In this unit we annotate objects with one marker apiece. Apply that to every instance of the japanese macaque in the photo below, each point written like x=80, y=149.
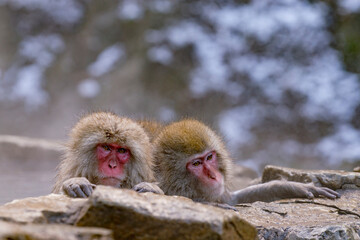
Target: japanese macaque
x=192, y=161
x=152, y=128
x=108, y=150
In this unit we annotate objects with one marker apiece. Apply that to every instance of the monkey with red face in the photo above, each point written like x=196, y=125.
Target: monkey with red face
x=192, y=161
x=108, y=150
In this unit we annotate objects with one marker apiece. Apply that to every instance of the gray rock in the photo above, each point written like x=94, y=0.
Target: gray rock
x=150, y=216
x=27, y=167
x=241, y=177
x=53, y=208
x=51, y=232
x=333, y=179
x=15, y=148
x=306, y=219
x=131, y=215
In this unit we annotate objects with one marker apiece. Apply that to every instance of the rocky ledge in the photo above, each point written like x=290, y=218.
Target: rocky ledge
x=124, y=214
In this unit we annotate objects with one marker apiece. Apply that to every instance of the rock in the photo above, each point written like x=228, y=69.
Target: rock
x=27, y=167
x=306, y=219
x=333, y=179
x=53, y=208
x=51, y=231
x=241, y=177
x=356, y=169
x=150, y=216
x=14, y=148
x=130, y=215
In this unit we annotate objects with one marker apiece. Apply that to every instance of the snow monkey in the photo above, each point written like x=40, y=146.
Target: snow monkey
x=192, y=161
x=106, y=149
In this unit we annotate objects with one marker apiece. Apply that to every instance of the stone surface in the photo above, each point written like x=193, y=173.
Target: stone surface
x=130, y=215
x=25, y=149
x=333, y=179
x=12, y=231
x=27, y=167
x=150, y=216
x=241, y=177
x=306, y=219
x=53, y=208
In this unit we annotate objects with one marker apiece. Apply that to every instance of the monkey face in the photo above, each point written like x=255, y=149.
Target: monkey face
x=204, y=167
x=112, y=159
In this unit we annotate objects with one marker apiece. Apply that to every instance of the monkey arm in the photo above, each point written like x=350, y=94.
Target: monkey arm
x=277, y=189
x=148, y=187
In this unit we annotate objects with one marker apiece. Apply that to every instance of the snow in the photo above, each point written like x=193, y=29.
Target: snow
x=222, y=53
x=350, y=6
x=161, y=6
x=28, y=87
x=27, y=74
x=235, y=124
x=61, y=11
x=166, y=114
x=41, y=49
x=130, y=10
x=89, y=88
x=106, y=60
x=160, y=54
x=331, y=92
x=344, y=144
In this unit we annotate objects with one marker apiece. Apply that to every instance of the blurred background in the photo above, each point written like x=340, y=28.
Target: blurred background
x=279, y=80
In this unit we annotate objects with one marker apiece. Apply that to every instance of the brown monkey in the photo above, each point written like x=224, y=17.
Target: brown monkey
x=192, y=161
x=152, y=128
x=109, y=150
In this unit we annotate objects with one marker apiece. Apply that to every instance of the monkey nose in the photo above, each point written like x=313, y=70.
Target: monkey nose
x=212, y=176
x=112, y=164
x=209, y=172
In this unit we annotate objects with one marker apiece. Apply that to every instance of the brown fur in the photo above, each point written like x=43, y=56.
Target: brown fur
x=173, y=147
x=152, y=128
x=105, y=127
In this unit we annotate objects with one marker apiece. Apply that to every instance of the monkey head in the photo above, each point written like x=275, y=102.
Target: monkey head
x=108, y=150
x=191, y=161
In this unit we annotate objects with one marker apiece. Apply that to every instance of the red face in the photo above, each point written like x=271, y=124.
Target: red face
x=205, y=168
x=111, y=161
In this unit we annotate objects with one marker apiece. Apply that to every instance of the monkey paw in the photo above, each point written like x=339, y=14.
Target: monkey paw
x=78, y=187
x=311, y=191
x=148, y=187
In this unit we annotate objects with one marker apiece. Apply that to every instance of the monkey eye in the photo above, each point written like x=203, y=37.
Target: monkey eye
x=122, y=150
x=196, y=163
x=209, y=157
x=106, y=147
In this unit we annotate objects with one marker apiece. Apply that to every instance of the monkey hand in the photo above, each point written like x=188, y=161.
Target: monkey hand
x=148, y=187
x=78, y=187
x=309, y=190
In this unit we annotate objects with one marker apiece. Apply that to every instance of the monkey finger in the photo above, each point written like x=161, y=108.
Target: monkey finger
x=79, y=192
x=333, y=192
x=86, y=189
x=323, y=192
x=310, y=195
x=142, y=190
x=70, y=192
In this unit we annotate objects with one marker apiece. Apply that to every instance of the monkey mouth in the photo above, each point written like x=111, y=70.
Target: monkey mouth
x=110, y=181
